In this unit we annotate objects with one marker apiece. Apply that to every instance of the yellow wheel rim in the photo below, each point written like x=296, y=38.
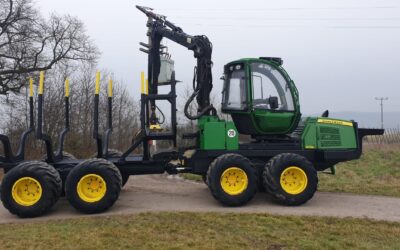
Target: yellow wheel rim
x=293, y=180
x=26, y=191
x=91, y=188
x=234, y=181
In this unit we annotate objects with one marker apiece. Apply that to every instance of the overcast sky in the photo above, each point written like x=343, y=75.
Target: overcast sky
x=341, y=54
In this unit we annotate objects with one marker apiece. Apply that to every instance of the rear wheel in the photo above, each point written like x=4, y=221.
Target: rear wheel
x=30, y=189
x=290, y=178
x=114, y=153
x=93, y=186
x=64, y=171
x=65, y=156
x=204, y=178
x=232, y=180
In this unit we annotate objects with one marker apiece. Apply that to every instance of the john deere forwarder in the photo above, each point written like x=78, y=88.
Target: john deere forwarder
x=282, y=157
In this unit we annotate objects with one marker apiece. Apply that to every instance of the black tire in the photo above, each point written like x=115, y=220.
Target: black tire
x=66, y=156
x=49, y=180
x=272, y=174
x=114, y=153
x=204, y=178
x=64, y=171
x=215, y=172
x=106, y=170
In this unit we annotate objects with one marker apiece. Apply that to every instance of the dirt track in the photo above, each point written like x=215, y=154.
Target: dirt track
x=161, y=193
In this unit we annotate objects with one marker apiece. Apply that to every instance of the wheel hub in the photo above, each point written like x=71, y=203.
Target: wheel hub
x=293, y=180
x=26, y=191
x=91, y=188
x=234, y=181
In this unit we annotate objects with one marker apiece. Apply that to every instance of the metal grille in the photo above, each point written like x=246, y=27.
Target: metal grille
x=329, y=137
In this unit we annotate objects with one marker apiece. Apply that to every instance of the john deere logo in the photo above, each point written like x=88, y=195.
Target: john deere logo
x=231, y=133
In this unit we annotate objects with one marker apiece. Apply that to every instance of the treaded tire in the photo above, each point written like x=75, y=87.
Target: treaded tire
x=45, y=174
x=116, y=153
x=108, y=171
x=272, y=173
x=204, y=178
x=215, y=171
x=66, y=156
x=64, y=171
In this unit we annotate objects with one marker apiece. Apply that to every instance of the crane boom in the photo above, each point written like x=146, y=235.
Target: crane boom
x=201, y=46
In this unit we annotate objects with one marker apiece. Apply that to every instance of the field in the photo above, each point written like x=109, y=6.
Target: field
x=377, y=173
x=202, y=231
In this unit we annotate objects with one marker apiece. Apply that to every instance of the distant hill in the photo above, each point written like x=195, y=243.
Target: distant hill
x=369, y=119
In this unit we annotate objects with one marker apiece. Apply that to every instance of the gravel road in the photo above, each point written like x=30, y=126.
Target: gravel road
x=154, y=193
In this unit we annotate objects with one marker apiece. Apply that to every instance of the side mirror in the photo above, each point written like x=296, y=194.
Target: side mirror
x=273, y=102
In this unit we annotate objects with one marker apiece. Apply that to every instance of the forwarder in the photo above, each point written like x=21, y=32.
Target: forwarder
x=281, y=156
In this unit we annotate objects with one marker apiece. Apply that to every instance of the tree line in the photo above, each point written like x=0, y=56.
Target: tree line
x=59, y=46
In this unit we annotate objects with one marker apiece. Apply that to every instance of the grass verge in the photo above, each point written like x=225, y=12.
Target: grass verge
x=377, y=172
x=202, y=231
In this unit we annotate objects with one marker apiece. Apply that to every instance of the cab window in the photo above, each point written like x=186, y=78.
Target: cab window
x=270, y=90
x=235, y=88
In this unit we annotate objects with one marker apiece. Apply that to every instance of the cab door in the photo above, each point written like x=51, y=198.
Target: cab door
x=273, y=106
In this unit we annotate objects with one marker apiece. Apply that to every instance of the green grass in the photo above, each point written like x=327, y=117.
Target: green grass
x=202, y=231
x=377, y=172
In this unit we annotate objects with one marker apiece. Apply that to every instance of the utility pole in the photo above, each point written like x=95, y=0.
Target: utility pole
x=381, y=99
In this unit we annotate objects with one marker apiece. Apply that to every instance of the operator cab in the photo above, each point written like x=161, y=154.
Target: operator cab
x=260, y=97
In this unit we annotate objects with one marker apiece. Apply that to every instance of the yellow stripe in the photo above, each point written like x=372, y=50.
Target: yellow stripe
x=110, y=88
x=30, y=87
x=335, y=122
x=66, y=87
x=147, y=87
x=97, y=91
x=142, y=82
x=41, y=83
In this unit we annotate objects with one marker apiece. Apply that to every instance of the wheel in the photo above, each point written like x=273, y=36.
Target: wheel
x=30, y=189
x=258, y=165
x=64, y=171
x=93, y=186
x=116, y=153
x=232, y=180
x=290, y=178
x=204, y=178
x=66, y=156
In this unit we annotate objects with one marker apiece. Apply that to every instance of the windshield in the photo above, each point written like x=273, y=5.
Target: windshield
x=270, y=88
x=234, y=94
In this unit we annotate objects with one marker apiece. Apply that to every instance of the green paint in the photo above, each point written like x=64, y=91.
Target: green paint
x=232, y=136
x=318, y=135
x=214, y=134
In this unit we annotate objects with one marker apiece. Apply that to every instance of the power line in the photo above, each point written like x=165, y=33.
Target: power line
x=283, y=8
x=292, y=26
x=381, y=99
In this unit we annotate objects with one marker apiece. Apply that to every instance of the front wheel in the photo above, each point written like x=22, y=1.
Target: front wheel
x=93, y=186
x=232, y=180
x=290, y=178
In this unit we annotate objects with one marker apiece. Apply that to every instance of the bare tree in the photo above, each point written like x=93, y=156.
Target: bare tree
x=79, y=140
x=30, y=43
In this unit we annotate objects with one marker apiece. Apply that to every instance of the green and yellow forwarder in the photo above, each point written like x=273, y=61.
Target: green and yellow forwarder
x=266, y=145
